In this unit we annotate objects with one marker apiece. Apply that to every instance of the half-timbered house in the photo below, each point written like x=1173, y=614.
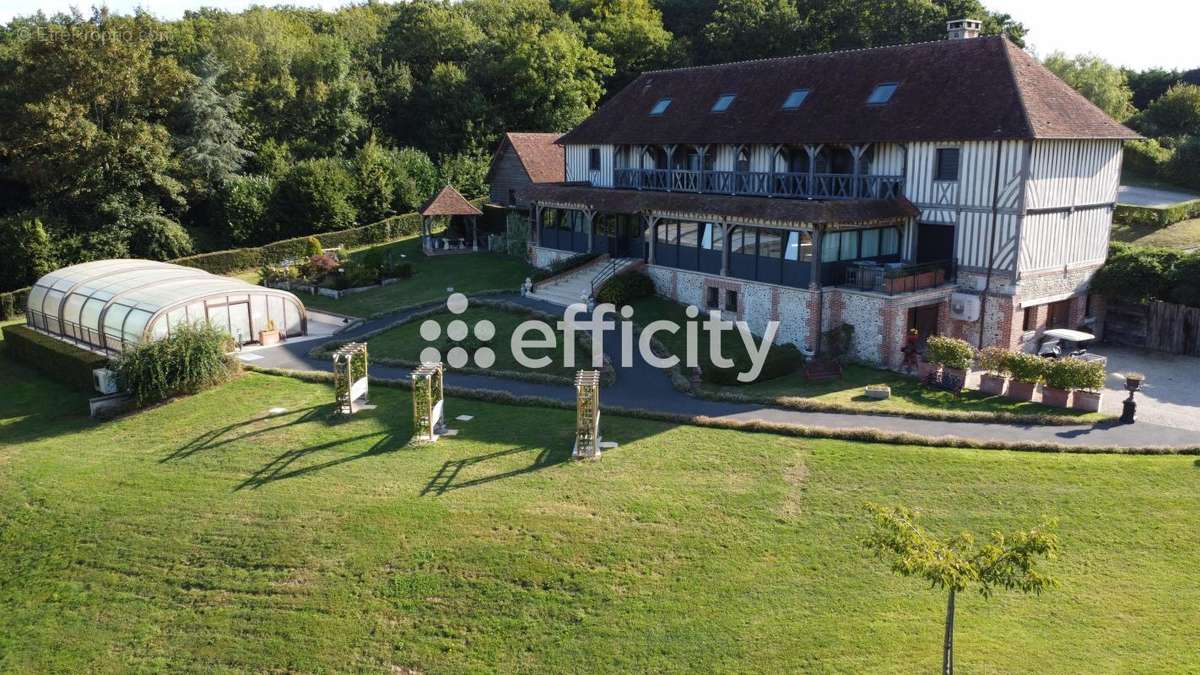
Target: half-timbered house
x=955, y=186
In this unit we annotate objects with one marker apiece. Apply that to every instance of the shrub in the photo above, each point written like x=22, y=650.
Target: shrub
x=782, y=359
x=12, y=303
x=224, y=262
x=314, y=196
x=25, y=251
x=1075, y=374
x=312, y=246
x=949, y=352
x=1184, y=167
x=159, y=238
x=993, y=360
x=1025, y=367
x=836, y=342
x=1135, y=273
x=1146, y=157
x=1184, y=281
x=626, y=287
x=242, y=204
x=191, y=359
x=62, y=361
x=1175, y=113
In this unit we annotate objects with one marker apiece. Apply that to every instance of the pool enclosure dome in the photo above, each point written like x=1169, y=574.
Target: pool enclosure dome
x=111, y=305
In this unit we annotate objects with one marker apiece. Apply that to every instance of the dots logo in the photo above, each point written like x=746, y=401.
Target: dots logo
x=456, y=333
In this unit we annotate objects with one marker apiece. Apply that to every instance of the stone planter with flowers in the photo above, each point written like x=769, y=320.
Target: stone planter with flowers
x=992, y=361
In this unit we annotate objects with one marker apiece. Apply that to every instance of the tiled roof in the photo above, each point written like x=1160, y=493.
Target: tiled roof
x=449, y=202
x=850, y=211
x=952, y=90
x=538, y=153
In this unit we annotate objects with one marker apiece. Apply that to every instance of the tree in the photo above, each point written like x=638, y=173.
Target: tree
x=420, y=179
x=751, y=29
x=315, y=196
x=210, y=139
x=1148, y=85
x=467, y=172
x=378, y=174
x=1005, y=561
x=1184, y=166
x=630, y=32
x=26, y=253
x=1175, y=113
x=159, y=238
x=1098, y=80
x=243, y=203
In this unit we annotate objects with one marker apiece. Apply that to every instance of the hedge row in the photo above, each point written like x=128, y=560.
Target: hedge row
x=234, y=260
x=12, y=303
x=1154, y=216
x=60, y=360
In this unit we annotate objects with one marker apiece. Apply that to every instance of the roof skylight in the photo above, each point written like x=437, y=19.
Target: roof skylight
x=795, y=99
x=723, y=102
x=883, y=93
x=660, y=107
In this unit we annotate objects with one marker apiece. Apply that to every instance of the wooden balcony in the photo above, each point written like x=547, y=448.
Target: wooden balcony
x=895, y=278
x=762, y=184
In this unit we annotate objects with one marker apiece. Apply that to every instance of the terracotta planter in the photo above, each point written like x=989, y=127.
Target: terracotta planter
x=954, y=378
x=1021, y=391
x=267, y=338
x=993, y=385
x=1088, y=401
x=1059, y=398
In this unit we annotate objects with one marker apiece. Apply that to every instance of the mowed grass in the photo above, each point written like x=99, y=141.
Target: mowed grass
x=908, y=395
x=207, y=536
x=1182, y=235
x=432, y=276
x=405, y=342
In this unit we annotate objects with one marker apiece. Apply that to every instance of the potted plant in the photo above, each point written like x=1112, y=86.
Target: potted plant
x=268, y=336
x=1060, y=378
x=992, y=361
x=1089, y=386
x=1027, y=371
x=953, y=355
x=927, y=369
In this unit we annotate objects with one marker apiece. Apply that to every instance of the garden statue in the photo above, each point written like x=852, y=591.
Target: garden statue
x=1133, y=382
x=587, y=415
x=429, y=421
x=350, y=377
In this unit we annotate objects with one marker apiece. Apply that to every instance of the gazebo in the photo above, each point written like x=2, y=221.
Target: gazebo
x=448, y=202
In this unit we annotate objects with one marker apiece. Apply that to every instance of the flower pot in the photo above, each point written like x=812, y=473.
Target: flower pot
x=267, y=338
x=1088, y=401
x=954, y=378
x=925, y=369
x=1059, y=398
x=1021, y=391
x=993, y=385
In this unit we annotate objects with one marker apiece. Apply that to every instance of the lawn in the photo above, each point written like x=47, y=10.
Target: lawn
x=908, y=395
x=466, y=273
x=404, y=342
x=206, y=535
x=1183, y=235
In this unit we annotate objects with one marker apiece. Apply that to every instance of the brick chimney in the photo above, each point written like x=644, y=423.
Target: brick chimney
x=962, y=29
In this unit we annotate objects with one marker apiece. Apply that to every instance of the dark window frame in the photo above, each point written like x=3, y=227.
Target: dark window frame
x=712, y=298
x=594, y=159
x=731, y=300
x=940, y=164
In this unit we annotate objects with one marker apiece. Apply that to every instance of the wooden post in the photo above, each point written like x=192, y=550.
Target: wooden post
x=856, y=151
x=727, y=236
x=652, y=231
x=474, y=233
x=591, y=230
x=587, y=415
x=812, y=151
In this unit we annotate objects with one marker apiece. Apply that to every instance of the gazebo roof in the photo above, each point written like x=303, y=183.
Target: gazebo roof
x=449, y=202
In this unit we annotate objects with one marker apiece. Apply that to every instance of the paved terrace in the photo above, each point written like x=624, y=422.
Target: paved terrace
x=645, y=387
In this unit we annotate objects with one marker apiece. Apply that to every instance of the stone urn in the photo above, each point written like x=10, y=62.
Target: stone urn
x=1021, y=391
x=992, y=385
x=1087, y=401
x=1059, y=398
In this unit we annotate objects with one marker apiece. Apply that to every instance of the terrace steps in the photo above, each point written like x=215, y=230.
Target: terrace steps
x=575, y=286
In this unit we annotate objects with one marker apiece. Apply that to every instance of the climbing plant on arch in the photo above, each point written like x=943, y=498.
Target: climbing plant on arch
x=350, y=381
x=587, y=415
x=428, y=393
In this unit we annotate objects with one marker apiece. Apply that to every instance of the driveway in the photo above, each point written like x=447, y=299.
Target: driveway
x=1171, y=394
x=1141, y=196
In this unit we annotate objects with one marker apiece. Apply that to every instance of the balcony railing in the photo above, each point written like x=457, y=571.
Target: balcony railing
x=762, y=183
x=893, y=278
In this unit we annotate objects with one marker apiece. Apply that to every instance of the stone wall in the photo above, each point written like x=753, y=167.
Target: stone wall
x=542, y=257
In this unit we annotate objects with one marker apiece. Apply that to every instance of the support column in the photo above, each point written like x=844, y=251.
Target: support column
x=652, y=231
x=856, y=151
x=588, y=215
x=670, y=149
x=812, y=151
x=727, y=237
x=814, y=283
x=474, y=233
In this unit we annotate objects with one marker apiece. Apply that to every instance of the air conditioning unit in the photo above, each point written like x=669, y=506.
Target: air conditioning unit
x=964, y=307
x=105, y=381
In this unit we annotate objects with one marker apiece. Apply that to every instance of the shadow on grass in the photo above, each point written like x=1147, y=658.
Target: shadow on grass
x=215, y=438
x=280, y=468
x=444, y=480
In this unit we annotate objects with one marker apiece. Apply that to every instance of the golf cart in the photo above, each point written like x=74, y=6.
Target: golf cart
x=1058, y=343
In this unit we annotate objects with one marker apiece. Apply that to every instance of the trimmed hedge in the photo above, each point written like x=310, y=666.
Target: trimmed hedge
x=235, y=260
x=626, y=287
x=61, y=361
x=1128, y=214
x=782, y=359
x=12, y=303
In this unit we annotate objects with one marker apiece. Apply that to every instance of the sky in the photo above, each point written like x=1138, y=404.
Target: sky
x=1141, y=34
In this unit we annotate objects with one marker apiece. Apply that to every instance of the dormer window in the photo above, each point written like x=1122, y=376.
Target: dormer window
x=660, y=107
x=883, y=93
x=795, y=99
x=723, y=102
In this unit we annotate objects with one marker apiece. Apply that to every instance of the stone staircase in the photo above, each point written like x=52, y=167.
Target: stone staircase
x=574, y=286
